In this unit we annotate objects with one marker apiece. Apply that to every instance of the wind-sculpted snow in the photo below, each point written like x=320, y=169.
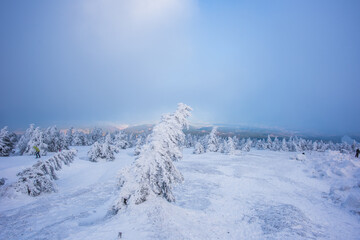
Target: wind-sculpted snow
x=343, y=171
x=287, y=220
x=39, y=178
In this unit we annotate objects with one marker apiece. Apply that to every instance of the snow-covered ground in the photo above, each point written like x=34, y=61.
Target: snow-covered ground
x=254, y=195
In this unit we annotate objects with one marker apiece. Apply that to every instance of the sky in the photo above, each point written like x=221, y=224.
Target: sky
x=287, y=64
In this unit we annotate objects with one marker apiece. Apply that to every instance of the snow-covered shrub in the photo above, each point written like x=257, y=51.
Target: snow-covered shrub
x=153, y=173
x=102, y=150
x=199, y=148
x=6, y=145
x=38, y=178
x=213, y=141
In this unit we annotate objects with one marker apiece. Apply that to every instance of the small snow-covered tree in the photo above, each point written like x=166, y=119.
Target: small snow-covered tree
x=260, y=145
x=79, y=139
x=37, y=139
x=54, y=139
x=24, y=140
x=95, y=135
x=269, y=142
x=120, y=141
x=293, y=145
x=139, y=143
x=102, y=150
x=247, y=146
x=213, y=141
x=154, y=173
x=6, y=145
x=230, y=146
x=95, y=152
x=284, y=146
x=276, y=144
x=69, y=136
x=199, y=148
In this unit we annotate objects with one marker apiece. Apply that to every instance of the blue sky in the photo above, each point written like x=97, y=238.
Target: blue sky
x=290, y=64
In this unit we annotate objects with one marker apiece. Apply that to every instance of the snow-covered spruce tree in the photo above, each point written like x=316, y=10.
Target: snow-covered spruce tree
x=54, y=139
x=102, y=150
x=120, y=141
x=6, y=145
x=260, y=145
x=108, y=149
x=284, y=146
x=153, y=173
x=95, y=152
x=230, y=146
x=37, y=139
x=79, y=139
x=213, y=141
x=69, y=136
x=247, y=146
x=222, y=145
x=276, y=144
x=199, y=148
x=95, y=136
x=21, y=145
x=269, y=143
x=139, y=143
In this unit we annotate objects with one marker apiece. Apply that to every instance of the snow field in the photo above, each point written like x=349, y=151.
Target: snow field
x=256, y=195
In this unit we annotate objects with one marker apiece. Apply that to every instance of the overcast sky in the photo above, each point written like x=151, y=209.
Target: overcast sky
x=289, y=64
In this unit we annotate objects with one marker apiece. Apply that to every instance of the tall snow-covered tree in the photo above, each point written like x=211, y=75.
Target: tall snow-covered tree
x=37, y=139
x=6, y=145
x=213, y=141
x=24, y=140
x=153, y=173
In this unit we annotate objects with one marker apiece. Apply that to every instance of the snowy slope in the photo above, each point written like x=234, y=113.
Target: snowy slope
x=255, y=195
